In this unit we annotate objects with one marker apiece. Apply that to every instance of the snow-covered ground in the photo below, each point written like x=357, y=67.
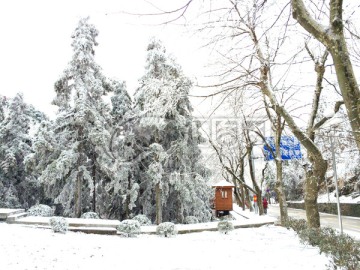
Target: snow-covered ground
x=268, y=247
x=324, y=198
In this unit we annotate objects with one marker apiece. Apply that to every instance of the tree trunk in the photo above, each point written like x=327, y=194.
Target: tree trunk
x=179, y=212
x=94, y=183
x=253, y=179
x=79, y=177
x=280, y=193
x=278, y=127
x=94, y=197
x=314, y=177
x=158, y=201
x=238, y=199
x=242, y=197
x=348, y=86
x=248, y=200
x=311, y=193
x=77, y=194
x=279, y=174
x=127, y=201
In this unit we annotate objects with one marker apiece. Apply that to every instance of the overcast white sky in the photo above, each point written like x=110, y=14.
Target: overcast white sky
x=36, y=43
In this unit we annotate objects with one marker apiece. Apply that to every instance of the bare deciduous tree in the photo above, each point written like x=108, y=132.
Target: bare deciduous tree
x=259, y=74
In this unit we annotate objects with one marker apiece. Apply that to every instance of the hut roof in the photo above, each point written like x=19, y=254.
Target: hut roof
x=223, y=183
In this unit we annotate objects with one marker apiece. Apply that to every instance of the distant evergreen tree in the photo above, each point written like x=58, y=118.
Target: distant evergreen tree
x=46, y=148
x=3, y=104
x=17, y=189
x=164, y=111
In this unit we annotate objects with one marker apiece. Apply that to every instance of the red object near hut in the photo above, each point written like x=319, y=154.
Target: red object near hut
x=223, y=202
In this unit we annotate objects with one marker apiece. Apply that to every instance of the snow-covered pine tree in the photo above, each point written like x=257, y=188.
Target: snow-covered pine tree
x=155, y=173
x=121, y=193
x=164, y=112
x=123, y=190
x=3, y=104
x=45, y=150
x=121, y=101
x=17, y=189
x=188, y=174
x=80, y=161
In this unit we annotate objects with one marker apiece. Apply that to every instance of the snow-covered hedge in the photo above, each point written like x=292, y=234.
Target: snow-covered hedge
x=41, y=210
x=191, y=220
x=90, y=215
x=342, y=249
x=225, y=226
x=166, y=229
x=143, y=220
x=129, y=227
x=59, y=224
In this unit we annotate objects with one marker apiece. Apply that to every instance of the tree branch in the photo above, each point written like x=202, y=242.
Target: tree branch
x=326, y=118
x=180, y=10
x=303, y=17
x=320, y=70
x=336, y=15
x=227, y=168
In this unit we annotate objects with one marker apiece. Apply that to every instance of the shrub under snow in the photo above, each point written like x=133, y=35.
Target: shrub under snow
x=90, y=215
x=166, y=229
x=41, y=210
x=342, y=249
x=129, y=227
x=143, y=220
x=191, y=220
x=225, y=226
x=59, y=224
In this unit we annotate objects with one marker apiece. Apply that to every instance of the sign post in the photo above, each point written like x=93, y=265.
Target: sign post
x=289, y=149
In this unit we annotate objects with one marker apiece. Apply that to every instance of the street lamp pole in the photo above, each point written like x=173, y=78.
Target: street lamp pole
x=336, y=185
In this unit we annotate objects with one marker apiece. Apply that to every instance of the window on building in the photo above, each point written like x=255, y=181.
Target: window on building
x=224, y=194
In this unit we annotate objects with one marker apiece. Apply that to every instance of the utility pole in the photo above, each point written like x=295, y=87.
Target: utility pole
x=336, y=185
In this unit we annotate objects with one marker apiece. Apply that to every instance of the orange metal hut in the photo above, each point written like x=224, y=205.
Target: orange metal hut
x=223, y=202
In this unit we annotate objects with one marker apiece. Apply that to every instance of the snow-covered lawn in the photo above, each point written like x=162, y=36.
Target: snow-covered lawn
x=267, y=247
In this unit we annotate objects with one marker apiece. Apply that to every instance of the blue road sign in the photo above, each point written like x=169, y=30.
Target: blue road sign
x=289, y=148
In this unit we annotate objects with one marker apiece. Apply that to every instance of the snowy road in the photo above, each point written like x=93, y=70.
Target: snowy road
x=351, y=225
